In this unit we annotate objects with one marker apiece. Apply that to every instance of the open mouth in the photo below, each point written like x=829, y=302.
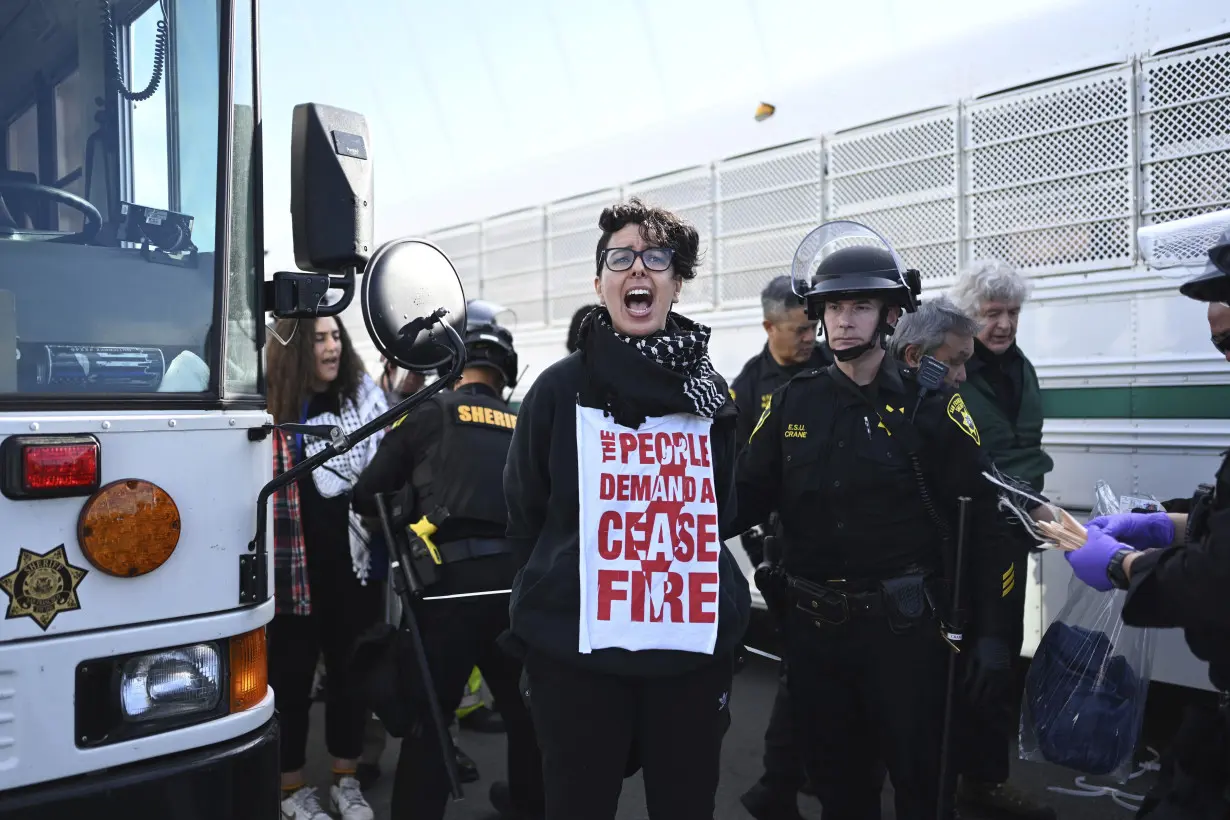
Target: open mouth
x=638, y=302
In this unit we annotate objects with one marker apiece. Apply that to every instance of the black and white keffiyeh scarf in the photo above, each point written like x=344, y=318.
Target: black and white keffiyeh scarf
x=339, y=474
x=681, y=350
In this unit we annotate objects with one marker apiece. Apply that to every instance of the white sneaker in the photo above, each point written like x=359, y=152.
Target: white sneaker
x=348, y=801
x=304, y=805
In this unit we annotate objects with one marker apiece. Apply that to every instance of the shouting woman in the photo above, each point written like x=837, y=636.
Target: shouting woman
x=619, y=485
x=322, y=559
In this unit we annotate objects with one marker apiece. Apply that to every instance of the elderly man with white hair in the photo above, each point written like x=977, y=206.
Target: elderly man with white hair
x=1001, y=389
x=1001, y=392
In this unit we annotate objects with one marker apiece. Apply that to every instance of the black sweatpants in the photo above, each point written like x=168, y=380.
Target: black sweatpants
x=459, y=634
x=588, y=723
x=985, y=737
x=865, y=691
x=342, y=609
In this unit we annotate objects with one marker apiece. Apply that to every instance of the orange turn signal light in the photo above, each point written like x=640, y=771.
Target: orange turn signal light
x=128, y=528
x=249, y=670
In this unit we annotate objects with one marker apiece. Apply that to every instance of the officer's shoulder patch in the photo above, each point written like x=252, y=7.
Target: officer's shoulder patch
x=961, y=416
x=764, y=414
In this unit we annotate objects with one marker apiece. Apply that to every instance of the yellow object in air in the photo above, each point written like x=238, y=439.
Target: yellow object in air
x=764, y=111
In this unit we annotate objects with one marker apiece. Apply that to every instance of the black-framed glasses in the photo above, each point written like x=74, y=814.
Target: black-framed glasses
x=1222, y=342
x=655, y=259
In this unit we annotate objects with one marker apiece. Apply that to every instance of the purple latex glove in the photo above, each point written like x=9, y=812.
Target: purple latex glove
x=1140, y=530
x=1090, y=561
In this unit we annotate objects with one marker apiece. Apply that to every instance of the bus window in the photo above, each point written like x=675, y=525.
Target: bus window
x=22, y=142
x=70, y=132
x=109, y=198
x=242, y=366
x=150, y=185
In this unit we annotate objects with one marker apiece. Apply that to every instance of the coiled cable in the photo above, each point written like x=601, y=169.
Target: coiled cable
x=160, y=53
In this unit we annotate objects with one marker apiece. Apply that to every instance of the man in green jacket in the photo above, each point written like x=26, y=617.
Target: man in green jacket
x=1001, y=392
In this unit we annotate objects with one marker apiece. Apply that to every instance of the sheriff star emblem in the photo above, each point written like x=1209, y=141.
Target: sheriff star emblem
x=42, y=586
x=958, y=413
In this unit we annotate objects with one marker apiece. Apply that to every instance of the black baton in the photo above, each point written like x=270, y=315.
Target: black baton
x=954, y=632
x=407, y=587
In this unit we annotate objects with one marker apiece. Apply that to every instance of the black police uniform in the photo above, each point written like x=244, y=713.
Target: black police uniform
x=865, y=651
x=451, y=451
x=783, y=769
x=1185, y=587
x=760, y=376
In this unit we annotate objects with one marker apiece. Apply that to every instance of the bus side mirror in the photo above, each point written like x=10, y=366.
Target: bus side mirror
x=330, y=189
x=414, y=306
x=331, y=212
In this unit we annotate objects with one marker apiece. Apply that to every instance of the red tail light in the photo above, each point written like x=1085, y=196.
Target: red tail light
x=50, y=466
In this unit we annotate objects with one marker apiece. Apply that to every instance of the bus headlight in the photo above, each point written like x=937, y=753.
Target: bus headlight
x=171, y=683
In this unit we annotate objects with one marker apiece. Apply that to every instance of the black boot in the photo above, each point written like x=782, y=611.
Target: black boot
x=482, y=720
x=467, y=769
x=766, y=804
x=501, y=799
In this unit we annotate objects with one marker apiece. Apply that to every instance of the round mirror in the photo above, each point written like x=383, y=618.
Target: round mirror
x=406, y=281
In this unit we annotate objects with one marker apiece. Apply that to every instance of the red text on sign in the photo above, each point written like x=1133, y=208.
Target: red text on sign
x=618, y=585
x=681, y=536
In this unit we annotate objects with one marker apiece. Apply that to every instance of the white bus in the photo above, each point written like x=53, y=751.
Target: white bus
x=135, y=566
x=1045, y=142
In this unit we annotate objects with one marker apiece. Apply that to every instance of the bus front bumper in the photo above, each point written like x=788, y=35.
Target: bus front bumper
x=234, y=780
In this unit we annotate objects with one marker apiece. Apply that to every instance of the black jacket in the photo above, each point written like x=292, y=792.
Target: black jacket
x=1185, y=587
x=541, y=490
x=442, y=450
x=847, y=497
x=760, y=376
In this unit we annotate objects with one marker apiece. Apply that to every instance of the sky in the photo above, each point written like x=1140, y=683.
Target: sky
x=462, y=95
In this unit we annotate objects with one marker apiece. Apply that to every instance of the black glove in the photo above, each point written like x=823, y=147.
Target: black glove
x=988, y=675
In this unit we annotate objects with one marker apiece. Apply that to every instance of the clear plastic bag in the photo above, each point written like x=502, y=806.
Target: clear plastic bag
x=1085, y=691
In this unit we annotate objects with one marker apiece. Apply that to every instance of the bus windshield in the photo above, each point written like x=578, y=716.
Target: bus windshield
x=110, y=172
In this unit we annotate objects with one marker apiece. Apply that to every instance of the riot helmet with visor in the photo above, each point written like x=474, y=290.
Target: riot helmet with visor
x=844, y=260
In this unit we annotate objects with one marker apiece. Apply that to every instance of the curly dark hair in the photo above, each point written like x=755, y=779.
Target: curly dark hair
x=659, y=228
x=291, y=368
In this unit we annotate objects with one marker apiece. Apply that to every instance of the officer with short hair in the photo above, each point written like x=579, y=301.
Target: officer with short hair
x=447, y=458
x=791, y=345
x=866, y=472
x=790, y=348
x=1176, y=569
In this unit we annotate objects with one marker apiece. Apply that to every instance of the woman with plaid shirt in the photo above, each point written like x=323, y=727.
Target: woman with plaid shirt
x=323, y=596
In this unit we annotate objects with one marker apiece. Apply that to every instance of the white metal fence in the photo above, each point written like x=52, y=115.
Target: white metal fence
x=1054, y=179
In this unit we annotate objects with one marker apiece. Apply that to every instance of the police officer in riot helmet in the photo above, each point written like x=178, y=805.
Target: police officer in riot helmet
x=446, y=457
x=866, y=469
x=1176, y=570
x=792, y=345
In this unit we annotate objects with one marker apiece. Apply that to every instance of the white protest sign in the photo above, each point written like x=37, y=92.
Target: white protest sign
x=649, y=534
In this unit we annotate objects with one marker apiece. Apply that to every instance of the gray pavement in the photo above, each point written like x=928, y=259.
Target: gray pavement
x=1074, y=797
